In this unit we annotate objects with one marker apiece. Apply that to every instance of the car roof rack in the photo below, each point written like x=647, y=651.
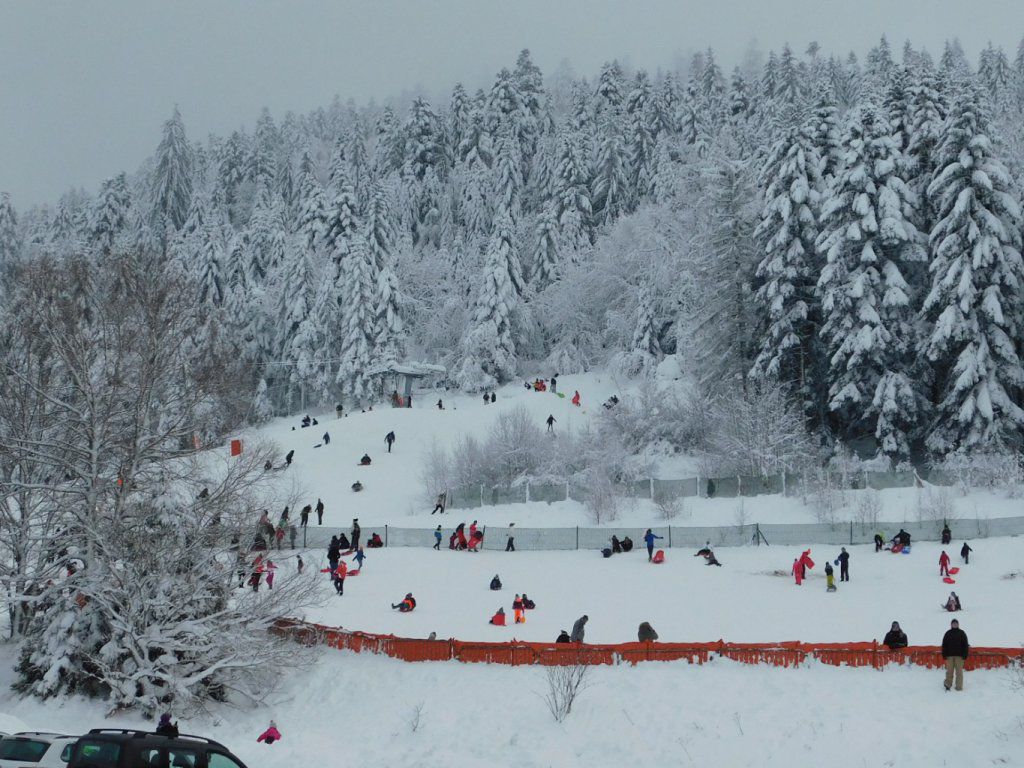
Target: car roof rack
x=42, y=733
x=135, y=732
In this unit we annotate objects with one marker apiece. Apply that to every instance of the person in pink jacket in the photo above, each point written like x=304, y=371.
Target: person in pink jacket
x=798, y=571
x=270, y=735
x=270, y=568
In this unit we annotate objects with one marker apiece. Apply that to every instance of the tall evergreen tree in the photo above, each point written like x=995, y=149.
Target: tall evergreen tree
x=110, y=214
x=868, y=239
x=977, y=289
x=172, y=177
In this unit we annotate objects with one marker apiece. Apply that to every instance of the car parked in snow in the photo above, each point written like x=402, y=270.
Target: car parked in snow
x=35, y=748
x=111, y=748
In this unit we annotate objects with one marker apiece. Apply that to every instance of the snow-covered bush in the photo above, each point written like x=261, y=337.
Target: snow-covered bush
x=868, y=507
x=656, y=415
x=996, y=469
x=935, y=504
x=756, y=432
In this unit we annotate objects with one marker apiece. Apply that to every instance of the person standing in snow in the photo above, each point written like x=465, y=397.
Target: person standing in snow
x=494, y=398
x=487, y=398
x=879, y=542
x=646, y=633
x=437, y=538
x=965, y=553
x=319, y=511
x=895, y=638
x=943, y=564
x=510, y=546
x=554, y=385
x=389, y=438
x=288, y=458
x=304, y=516
x=947, y=535
x=649, y=538
x=166, y=728
x=338, y=577
x=518, y=610
x=356, y=530
x=333, y=552
x=359, y=556
x=844, y=564
x=830, y=579
x=472, y=530
x=579, y=629
x=798, y=571
x=954, y=650
x=551, y=422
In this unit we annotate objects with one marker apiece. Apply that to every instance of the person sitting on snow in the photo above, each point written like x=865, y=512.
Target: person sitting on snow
x=357, y=487
x=895, y=637
x=365, y=461
x=498, y=619
x=306, y=421
x=495, y=583
x=528, y=604
x=375, y=541
x=712, y=560
x=270, y=735
x=646, y=633
x=705, y=550
x=627, y=544
x=952, y=603
x=407, y=604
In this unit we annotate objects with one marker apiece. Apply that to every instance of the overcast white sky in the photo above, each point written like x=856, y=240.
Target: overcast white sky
x=85, y=86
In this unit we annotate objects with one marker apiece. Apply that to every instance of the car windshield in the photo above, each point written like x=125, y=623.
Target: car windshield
x=22, y=750
x=98, y=754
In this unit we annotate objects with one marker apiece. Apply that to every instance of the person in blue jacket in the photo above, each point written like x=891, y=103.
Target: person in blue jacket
x=649, y=538
x=437, y=538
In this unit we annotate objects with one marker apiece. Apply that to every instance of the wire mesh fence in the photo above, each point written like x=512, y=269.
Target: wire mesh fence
x=674, y=536
x=790, y=484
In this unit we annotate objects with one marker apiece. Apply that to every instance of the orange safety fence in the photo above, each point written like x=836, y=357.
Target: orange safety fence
x=519, y=653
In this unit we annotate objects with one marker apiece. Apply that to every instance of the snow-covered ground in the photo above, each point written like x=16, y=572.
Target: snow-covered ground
x=394, y=493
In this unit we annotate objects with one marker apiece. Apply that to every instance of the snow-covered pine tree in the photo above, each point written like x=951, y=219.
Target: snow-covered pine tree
x=261, y=163
x=359, y=303
x=790, y=351
x=641, y=132
x=389, y=336
x=312, y=207
x=546, y=266
x=611, y=183
x=977, y=290
x=110, y=214
x=507, y=196
x=10, y=240
x=489, y=348
x=926, y=124
x=868, y=239
x=644, y=349
x=172, y=176
x=572, y=184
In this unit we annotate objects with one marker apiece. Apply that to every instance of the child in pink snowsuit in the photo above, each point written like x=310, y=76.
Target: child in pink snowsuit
x=270, y=568
x=271, y=734
x=798, y=571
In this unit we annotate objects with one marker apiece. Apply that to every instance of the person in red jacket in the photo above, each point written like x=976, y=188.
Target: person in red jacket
x=798, y=571
x=498, y=619
x=943, y=564
x=576, y=398
x=338, y=577
x=270, y=735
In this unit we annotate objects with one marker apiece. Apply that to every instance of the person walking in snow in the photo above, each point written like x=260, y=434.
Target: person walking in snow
x=356, y=530
x=440, y=405
x=359, y=556
x=576, y=399
x=494, y=398
x=554, y=385
x=270, y=735
x=389, y=438
x=943, y=564
x=844, y=564
x=327, y=438
x=551, y=423
x=319, y=511
x=487, y=398
x=288, y=458
x=510, y=545
x=338, y=577
x=441, y=498
x=579, y=629
x=299, y=565
x=965, y=553
x=954, y=650
x=270, y=568
x=649, y=538
x=304, y=515
x=437, y=538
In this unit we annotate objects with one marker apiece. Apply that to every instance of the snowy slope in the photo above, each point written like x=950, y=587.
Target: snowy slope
x=394, y=491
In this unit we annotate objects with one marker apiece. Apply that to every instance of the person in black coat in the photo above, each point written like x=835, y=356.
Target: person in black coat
x=288, y=458
x=563, y=637
x=879, y=542
x=844, y=565
x=947, y=535
x=895, y=637
x=495, y=583
x=965, y=553
x=389, y=438
x=954, y=650
x=616, y=545
x=646, y=633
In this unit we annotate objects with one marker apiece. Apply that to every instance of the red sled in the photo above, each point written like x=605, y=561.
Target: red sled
x=659, y=557
x=354, y=572
x=948, y=580
x=954, y=571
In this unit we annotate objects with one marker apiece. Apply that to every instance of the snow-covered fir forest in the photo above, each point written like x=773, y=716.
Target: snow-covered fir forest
x=846, y=227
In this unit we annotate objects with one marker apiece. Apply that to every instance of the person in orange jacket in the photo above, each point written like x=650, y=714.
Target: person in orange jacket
x=498, y=619
x=943, y=564
x=338, y=577
x=518, y=610
x=407, y=604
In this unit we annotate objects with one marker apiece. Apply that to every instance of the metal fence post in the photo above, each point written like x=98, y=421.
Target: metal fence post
x=577, y=537
x=783, y=483
x=670, y=537
x=851, y=533
x=385, y=534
